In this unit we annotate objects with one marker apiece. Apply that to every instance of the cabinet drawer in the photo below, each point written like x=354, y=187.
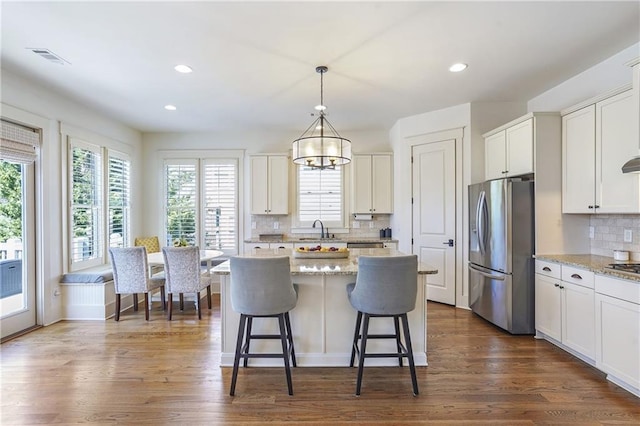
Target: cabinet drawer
x=577, y=276
x=549, y=269
x=620, y=289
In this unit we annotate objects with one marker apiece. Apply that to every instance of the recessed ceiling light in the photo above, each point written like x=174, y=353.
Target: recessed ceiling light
x=170, y=107
x=458, y=67
x=185, y=69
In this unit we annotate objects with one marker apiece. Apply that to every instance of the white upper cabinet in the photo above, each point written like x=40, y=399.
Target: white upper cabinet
x=509, y=151
x=372, y=183
x=596, y=141
x=270, y=184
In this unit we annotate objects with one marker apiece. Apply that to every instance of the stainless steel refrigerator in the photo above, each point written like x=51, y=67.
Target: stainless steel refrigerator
x=501, y=247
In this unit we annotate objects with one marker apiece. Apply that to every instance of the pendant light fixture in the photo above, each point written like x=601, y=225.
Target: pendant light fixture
x=320, y=146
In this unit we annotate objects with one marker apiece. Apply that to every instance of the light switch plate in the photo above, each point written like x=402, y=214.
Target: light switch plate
x=628, y=236
x=276, y=225
x=592, y=232
x=253, y=225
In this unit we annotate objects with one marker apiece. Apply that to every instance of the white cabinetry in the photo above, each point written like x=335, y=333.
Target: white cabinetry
x=325, y=243
x=565, y=306
x=248, y=247
x=597, y=140
x=509, y=151
x=617, y=309
x=269, y=184
x=372, y=183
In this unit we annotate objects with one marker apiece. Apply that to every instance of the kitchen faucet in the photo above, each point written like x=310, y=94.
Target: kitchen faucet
x=322, y=234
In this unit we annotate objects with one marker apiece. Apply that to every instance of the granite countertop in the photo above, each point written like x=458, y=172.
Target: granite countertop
x=346, y=266
x=321, y=240
x=591, y=262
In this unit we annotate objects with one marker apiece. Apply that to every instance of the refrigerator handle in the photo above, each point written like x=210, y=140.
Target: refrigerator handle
x=480, y=221
x=485, y=274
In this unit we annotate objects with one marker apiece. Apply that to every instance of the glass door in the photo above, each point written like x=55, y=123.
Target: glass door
x=17, y=243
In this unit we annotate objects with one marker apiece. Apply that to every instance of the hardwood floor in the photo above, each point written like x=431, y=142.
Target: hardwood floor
x=159, y=372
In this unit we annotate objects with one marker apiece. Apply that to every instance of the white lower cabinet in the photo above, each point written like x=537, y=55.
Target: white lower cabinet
x=617, y=306
x=248, y=247
x=565, y=307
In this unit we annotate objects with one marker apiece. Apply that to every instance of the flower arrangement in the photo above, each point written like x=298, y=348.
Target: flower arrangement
x=180, y=242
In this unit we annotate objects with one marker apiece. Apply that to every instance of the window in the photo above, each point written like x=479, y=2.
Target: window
x=118, y=208
x=86, y=204
x=202, y=203
x=320, y=196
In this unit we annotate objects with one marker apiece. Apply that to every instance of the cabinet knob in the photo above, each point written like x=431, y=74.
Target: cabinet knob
x=590, y=207
x=576, y=276
x=556, y=285
x=596, y=206
x=561, y=287
x=547, y=269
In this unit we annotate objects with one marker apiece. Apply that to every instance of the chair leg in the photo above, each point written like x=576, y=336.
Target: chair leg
x=118, y=307
x=412, y=366
x=170, y=301
x=236, y=359
x=198, y=305
x=247, y=341
x=135, y=302
x=396, y=324
x=285, y=355
x=356, y=335
x=287, y=321
x=164, y=302
x=363, y=349
x=181, y=302
x=209, y=296
x=147, y=301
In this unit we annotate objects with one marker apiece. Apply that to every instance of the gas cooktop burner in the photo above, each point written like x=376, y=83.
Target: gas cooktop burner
x=626, y=267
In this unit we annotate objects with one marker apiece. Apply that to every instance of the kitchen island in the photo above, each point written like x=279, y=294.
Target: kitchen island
x=323, y=320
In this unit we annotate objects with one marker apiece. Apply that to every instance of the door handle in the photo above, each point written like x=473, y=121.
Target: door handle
x=449, y=243
x=488, y=275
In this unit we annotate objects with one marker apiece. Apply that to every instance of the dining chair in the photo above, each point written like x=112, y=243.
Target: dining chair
x=262, y=288
x=131, y=276
x=385, y=287
x=183, y=275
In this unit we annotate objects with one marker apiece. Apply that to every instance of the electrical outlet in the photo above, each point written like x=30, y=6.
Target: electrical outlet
x=355, y=224
x=592, y=232
x=253, y=225
x=276, y=225
x=371, y=225
x=628, y=236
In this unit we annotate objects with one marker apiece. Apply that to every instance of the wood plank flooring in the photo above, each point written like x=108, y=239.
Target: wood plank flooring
x=159, y=372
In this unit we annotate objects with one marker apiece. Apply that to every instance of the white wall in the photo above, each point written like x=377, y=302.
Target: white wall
x=36, y=99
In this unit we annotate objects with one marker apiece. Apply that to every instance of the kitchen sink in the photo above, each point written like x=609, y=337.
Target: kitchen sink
x=316, y=239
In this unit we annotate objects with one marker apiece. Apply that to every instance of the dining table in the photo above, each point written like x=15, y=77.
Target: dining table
x=157, y=259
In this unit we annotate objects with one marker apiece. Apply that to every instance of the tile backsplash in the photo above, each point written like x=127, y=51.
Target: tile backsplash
x=265, y=225
x=609, y=234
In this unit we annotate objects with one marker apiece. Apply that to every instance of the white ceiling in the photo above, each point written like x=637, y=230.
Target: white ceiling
x=254, y=63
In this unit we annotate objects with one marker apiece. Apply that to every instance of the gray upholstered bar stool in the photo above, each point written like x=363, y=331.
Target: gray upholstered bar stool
x=262, y=288
x=385, y=287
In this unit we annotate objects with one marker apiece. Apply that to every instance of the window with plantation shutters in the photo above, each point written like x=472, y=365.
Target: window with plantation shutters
x=181, y=201
x=320, y=196
x=118, y=201
x=220, y=214
x=86, y=204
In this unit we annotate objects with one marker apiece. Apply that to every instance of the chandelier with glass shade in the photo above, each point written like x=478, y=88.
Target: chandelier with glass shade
x=321, y=146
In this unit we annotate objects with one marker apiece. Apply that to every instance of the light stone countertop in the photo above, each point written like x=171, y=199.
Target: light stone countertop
x=313, y=240
x=346, y=266
x=591, y=262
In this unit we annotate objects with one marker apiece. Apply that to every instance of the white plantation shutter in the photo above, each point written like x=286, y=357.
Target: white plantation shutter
x=181, y=199
x=320, y=196
x=86, y=204
x=119, y=200
x=220, y=205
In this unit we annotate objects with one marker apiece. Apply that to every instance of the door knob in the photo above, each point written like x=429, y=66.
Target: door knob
x=449, y=243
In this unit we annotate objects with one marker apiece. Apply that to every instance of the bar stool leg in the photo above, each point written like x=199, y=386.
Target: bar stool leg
x=363, y=349
x=396, y=324
x=285, y=356
x=236, y=359
x=290, y=339
x=356, y=336
x=247, y=340
x=412, y=366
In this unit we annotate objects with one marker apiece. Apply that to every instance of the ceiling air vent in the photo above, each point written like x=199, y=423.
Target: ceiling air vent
x=49, y=55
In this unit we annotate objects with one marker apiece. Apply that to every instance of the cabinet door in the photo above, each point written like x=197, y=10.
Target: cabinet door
x=618, y=338
x=519, y=145
x=548, y=307
x=278, y=182
x=362, y=184
x=259, y=185
x=382, y=178
x=578, y=319
x=578, y=161
x=495, y=156
x=616, y=192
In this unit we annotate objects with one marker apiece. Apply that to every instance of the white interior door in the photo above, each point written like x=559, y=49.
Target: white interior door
x=17, y=260
x=434, y=215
